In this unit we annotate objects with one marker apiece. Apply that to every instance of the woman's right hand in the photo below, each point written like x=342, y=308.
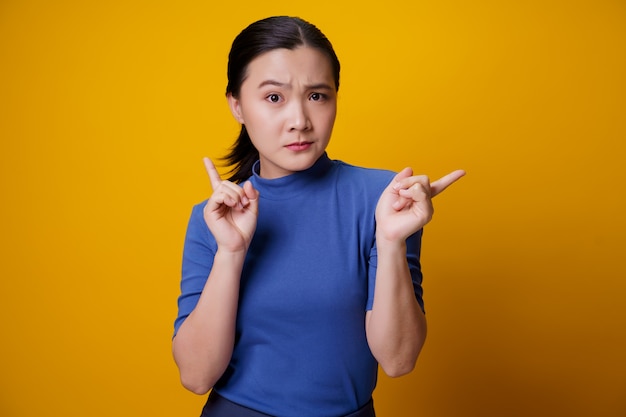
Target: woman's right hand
x=231, y=212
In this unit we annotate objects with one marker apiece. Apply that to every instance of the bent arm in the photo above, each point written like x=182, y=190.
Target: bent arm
x=396, y=325
x=204, y=343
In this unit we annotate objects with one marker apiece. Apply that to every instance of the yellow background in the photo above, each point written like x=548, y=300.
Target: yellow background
x=106, y=109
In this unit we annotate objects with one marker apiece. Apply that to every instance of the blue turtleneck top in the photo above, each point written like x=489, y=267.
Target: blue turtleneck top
x=307, y=282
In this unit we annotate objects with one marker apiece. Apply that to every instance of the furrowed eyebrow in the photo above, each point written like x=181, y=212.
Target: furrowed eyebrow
x=274, y=83
x=319, y=86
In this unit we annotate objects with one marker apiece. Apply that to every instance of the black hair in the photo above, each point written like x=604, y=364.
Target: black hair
x=263, y=36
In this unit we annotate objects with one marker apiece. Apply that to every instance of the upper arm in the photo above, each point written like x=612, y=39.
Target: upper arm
x=198, y=253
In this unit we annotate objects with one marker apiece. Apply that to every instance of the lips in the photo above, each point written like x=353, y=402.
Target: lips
x=299, y=146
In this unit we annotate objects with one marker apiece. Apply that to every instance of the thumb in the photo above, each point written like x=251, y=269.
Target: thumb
x=252, y=195
x=405, y=173
x=397, y=201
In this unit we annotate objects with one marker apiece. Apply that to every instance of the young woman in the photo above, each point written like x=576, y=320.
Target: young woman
x=301, y=273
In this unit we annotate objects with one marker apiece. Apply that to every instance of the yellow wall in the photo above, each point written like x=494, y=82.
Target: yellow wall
x=106, y=109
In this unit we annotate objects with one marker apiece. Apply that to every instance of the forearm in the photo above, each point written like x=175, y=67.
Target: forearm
x=203, y=345
x=396, y=326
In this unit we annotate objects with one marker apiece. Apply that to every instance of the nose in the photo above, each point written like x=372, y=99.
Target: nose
x=298, y=116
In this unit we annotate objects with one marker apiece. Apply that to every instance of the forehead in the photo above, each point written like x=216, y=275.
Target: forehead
x=303, y=64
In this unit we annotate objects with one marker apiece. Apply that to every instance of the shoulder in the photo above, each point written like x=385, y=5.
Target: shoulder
x=197, y=229
x=363, y=178
x=197, y=211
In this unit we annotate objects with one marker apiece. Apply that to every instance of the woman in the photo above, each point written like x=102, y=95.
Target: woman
x=300, y=273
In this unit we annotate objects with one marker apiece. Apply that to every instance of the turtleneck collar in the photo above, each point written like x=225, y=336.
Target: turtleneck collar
x=287, y=186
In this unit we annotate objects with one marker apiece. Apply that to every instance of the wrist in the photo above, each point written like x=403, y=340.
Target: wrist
x=231, y=255
x=384, y=244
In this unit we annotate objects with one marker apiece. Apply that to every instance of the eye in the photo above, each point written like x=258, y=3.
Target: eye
x=317, y=96
x=273, y=98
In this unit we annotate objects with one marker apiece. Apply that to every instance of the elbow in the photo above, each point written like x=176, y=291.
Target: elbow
x=400, y=363
x=196, y=386
x=197, y=382
x=198, y=389
x=197, y=376
x=396, y=369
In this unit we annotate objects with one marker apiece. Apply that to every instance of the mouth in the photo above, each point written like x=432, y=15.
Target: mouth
x=299, y=146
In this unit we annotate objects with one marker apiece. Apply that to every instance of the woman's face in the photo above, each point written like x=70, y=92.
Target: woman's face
x=288, y=104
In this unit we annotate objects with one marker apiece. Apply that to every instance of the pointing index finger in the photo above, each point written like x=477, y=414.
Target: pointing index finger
x=214, y=176
x=444, y=182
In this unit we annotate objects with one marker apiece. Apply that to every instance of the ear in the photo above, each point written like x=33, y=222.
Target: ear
x=235, y=107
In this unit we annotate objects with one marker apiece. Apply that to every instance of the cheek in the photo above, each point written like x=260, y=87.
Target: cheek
x=262, y=117
x=251, y=109
x=262, y=128
x=328, y=119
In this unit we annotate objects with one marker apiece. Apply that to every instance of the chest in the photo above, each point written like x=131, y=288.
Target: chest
x=308, y=255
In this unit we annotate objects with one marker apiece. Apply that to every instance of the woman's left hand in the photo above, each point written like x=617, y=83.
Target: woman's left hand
x=405, y=206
